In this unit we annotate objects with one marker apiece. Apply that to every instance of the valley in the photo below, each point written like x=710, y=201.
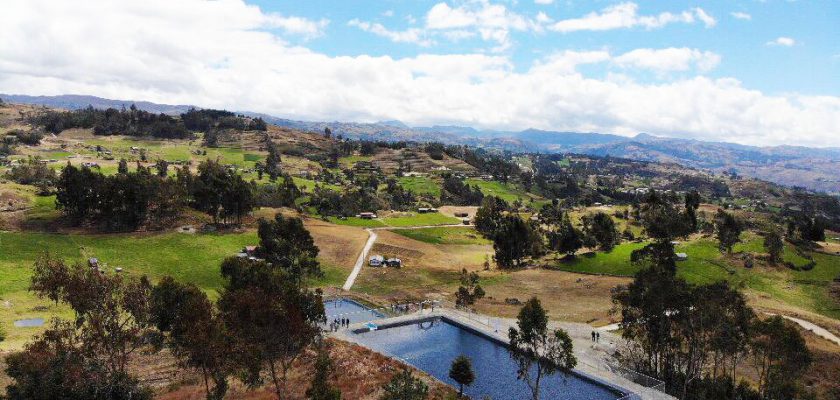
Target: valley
x=426, y=199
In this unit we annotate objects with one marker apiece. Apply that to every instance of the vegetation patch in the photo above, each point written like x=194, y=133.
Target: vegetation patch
x=417, y=219
x=444, y=235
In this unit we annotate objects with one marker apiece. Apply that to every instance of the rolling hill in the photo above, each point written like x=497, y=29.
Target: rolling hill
x=812, y=168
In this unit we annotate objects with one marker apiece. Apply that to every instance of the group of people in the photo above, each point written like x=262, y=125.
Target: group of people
x=339, y=323
x=401, y=308
x=596, y=337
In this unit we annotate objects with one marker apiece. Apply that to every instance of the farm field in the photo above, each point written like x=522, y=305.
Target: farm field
x=397, y=219
x=444, y=235
x=421, y=185
x=507, y=191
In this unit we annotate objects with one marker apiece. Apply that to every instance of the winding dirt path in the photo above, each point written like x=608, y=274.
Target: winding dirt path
x=818, y=330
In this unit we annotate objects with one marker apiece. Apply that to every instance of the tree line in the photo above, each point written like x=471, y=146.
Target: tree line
x=697, y=338
x=136, y=122
x=129, y=200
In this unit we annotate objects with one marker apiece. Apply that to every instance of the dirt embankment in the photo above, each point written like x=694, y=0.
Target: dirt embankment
x=359, y=374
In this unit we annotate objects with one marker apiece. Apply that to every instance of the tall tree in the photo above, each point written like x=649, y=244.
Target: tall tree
x=271, y=317
x=461, y=371
x=321, y=388
x=87, y=358
x=58, y=365
x=470, y=290
x=601, y=228
x=662, y=220
x=566, y=238
x=221, y=193
x=197, y=335
x=489, y=215
x=780, y=358
x=162, y=168
x=692, y=203
x=404, y=386
x=272, y=161
x=513, y=241
x=538, y=351
x=287, y=245
x=774, y=245
x=728, y=230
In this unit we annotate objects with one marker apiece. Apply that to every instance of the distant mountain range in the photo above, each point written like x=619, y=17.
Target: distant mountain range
x=813, y=168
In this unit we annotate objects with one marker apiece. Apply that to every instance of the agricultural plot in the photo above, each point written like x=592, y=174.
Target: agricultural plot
x=418, y=219
x=420, y=185
x=445, y=235
x=507, y=192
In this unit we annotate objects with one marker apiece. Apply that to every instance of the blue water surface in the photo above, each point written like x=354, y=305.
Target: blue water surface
x=346, y=308
x=431, y=346
x=29, y=323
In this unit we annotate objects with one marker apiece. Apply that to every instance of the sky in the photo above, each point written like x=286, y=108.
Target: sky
x=749, y=71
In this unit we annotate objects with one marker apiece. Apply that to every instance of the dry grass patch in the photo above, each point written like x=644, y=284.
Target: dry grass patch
x=358, y=372
x=339, y=244
x=567, y=296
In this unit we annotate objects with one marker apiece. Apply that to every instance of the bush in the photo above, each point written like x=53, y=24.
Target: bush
x=31, y=138
x=33, y=172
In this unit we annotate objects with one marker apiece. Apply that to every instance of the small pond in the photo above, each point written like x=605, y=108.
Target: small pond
x=346, y=308
x=432, y=345
x=29, y=323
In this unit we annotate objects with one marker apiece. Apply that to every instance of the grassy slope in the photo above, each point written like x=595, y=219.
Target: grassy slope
x=189, y=258
x=507, y=192
x=444, y=235
x=705, y=264
x=420, y=185
x=415, y=219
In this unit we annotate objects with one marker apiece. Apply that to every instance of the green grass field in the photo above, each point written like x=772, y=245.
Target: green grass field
x=308, y=185
x=356, y=221
x=705, y=264
x=444, y=235
x=507, y=192
x=191, y=258
x=398, y=220
x=349, y=161
x=421, y=185
x=417, y=219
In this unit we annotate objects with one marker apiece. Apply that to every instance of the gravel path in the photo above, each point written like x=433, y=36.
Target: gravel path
x=361, y=260
x=818, y=330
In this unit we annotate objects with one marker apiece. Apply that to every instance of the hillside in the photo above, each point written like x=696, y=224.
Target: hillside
x=811, y=168
x=425, y=200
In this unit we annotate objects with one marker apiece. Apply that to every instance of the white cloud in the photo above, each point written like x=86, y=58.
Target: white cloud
x=625, y=15
x=707, y=19
x=491, y=22
x=225, y=54
x=782, y=41
x=741, y=15
x=412, y=35
x=544, y=2
x=670, y=59
x=388, y=13
x=297, y=25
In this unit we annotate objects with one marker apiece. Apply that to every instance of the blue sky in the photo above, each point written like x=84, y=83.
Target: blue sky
x=810, y=66
x=750, y=72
